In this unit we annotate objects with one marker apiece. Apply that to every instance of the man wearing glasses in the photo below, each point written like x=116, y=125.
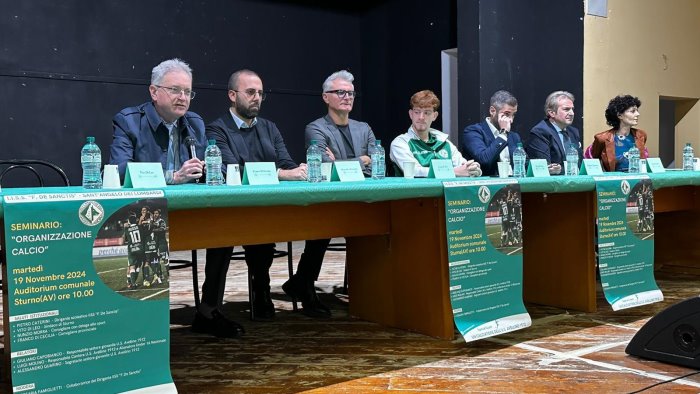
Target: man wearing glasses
x=340, y=138
x=243, y=137
x=157, y=131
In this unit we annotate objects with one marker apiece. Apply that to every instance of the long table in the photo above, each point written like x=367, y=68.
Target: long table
x=396, y=242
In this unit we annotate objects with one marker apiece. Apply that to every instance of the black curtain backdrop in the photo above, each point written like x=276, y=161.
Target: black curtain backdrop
x=67, y=67
x=530, y=48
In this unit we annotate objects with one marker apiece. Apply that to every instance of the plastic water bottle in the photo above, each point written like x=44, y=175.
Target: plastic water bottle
x=378, y=164
x=212, y=159
x=688, y=157
x=571, y=160
x=633, y=158
x=519, y=158
x=314, y=156
x=91, y=161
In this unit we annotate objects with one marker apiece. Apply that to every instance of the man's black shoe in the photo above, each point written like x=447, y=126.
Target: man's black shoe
x=262, y=309
x=218, y=326
x=314, y=307
x=297, y=289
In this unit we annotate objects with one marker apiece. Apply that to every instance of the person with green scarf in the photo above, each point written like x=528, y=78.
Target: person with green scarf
x=420, y=143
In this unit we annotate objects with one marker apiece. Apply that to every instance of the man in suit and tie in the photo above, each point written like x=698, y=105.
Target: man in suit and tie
x=244, y=137
x=340, y=137
x=550, y=138
x=492, y=140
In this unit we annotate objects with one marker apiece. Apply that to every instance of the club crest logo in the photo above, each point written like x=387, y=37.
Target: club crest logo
x=443, y=154
x=625, y=187
x=484, y=194
x=91, y=213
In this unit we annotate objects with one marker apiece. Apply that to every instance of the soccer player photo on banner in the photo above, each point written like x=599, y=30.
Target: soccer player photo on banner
x=485, y=243
x=626, y=240
x=87, y=307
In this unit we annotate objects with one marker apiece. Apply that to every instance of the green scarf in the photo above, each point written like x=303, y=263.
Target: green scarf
x=432, y=149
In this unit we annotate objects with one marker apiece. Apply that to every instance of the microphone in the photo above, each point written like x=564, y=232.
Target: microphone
x=191, y=142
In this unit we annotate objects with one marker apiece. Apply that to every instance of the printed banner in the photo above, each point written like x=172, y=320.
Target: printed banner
x=484, y=243
x=87, y=307
x=626, y=240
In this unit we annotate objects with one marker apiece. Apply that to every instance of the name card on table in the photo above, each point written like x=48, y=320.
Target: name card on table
x=326, y=171
x=538, y=168
x=655, y=166
x=261, y=173
x=591, y=167
x=144, y=175
x=347, y=171
x=441, y=169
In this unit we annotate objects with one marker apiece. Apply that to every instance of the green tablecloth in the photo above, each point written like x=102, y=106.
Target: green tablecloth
x=304, y=193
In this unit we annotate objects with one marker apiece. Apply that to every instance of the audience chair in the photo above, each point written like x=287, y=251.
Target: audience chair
x=23, y=172
x=181, y=264
x=341, y=247
x=36, y=169
x=240, y=255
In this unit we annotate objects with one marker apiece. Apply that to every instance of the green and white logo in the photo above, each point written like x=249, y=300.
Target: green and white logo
x=91, y=213
x=484, y=194
x=625, y=187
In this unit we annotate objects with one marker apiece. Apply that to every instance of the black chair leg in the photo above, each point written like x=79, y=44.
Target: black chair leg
x=195, y=280
x=251, y=295
x=290, y=266
x=345, y=279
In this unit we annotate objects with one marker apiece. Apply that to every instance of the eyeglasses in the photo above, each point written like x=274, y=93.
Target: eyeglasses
x=343, y=93
x=176, y=92
x=252, y=92
x=426, y=112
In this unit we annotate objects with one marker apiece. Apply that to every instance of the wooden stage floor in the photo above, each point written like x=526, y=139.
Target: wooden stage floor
x=564, y=351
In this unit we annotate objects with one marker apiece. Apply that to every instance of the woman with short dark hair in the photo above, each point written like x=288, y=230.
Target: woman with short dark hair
x=611, y=146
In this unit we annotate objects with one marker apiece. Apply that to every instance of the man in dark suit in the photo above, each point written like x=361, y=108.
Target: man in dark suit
x=337, y=135
x=492, y=140
x=550, y=138
x=244, y=137
x=156, y=131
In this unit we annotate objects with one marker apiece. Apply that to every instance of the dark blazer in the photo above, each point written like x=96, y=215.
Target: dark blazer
x=544, y=143
x=479, y=143
x=235, y=151
x=141, y=136
x=327, y=134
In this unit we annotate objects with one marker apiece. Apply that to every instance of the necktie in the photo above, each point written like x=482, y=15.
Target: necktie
x=173, y=162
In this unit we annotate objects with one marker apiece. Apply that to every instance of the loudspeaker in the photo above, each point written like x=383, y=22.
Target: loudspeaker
x=672, y=336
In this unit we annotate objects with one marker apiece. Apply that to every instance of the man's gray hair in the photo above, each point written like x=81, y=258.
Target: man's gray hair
x=342, y=74
x=503, y=98
x=552, y=102
x=167, y=66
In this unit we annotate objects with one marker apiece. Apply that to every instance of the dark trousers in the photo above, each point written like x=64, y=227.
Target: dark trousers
x=310, y=261
x=259, y=259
